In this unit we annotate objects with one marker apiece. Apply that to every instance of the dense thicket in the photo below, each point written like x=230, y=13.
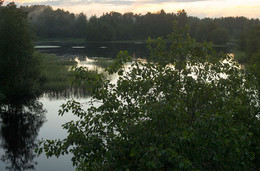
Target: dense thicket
x=188, y=109
x=58, y=23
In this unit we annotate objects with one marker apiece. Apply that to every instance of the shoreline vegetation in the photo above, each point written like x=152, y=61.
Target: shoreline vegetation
x=54, y=72
x=117, y=27
x=69, y=41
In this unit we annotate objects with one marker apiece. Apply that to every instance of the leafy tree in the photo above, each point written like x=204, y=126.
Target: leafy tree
x=81, y=25
x=182, y=18
x=250, y=44
x=219, y=36
x=131, y=26
x=63, y=23
x=19, y=73
x=186, y=109
x=253, y=41
x=254, y=66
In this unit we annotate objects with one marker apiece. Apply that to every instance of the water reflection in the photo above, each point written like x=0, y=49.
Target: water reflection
x=19, y=129
x=71, y=91
x=68, y=93
x=71, y=50
x=81, y=50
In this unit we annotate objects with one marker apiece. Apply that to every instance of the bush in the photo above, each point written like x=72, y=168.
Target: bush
x=185, y=109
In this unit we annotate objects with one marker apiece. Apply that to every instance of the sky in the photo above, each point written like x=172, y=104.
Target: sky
x=198, y=8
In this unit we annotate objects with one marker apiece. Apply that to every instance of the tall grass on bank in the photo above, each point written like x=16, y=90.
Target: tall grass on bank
x=55, y=72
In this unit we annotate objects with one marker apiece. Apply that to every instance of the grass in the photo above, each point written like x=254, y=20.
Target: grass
x=55, y=72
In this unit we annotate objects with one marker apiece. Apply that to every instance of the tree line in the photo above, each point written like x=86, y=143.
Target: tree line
x=114, y=26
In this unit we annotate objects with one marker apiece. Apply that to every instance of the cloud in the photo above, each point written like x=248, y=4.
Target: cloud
x=200, y=8
x=110, y=2
x=76, y=2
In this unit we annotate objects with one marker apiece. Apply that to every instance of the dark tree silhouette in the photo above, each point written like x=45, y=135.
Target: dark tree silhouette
x=19, y=72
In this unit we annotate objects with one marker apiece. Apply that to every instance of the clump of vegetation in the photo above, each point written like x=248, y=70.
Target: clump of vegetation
x=240, y=56
x=54, y=72
x=249, y=44
x=185, y=109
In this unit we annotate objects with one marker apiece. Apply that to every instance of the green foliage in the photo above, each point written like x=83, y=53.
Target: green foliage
x=19, y=72
x=185, y=109
x=88, y=79
x=54, y=72
x=114, y=26
x=250, y=44
x=254, y=67
x=81, y=25
x=252, y=41
x=117, y=66
x=240, y=56
x=220, y=36
x=209, y=30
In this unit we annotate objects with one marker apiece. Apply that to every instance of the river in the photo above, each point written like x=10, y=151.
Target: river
x=20, y=133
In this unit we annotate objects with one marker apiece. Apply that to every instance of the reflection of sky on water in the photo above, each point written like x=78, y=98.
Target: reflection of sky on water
x=52, y=129
x=46, y=47
x=78, y=47
x=100, y=65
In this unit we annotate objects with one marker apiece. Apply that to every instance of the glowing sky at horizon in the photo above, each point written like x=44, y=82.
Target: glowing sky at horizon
x=199, y=8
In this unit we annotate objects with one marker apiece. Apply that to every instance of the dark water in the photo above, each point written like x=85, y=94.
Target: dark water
x=101, y=50
x=19, y=128
x=92, y=50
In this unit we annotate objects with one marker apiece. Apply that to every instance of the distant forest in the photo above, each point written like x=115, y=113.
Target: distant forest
x=54, y=24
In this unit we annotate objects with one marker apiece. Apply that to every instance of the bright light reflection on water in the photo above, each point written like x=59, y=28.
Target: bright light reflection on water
x=46, y=47
x=52, y=128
